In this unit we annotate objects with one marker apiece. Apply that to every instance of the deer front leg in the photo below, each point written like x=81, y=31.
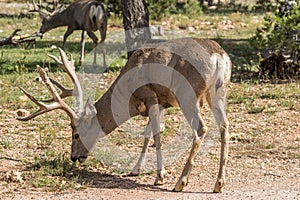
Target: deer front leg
x=199, y=129
x=66, y=35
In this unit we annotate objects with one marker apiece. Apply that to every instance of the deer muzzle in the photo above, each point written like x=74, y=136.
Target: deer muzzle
x=38, y=34
x=80, y=159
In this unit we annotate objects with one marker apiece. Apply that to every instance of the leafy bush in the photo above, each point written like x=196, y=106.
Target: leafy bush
x=279, y=33
x=161, y=8
x=266, y=5
x=192, y=8
x=113, y=6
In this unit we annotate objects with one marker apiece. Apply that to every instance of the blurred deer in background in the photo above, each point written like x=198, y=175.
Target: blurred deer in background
x=86, y=15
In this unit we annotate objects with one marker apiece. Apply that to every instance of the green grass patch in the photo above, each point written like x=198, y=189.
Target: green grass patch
x=122, y=138
x=6, y=144
x=269, y=146
x=58, y=165
x=53, y=171
x=255, y=109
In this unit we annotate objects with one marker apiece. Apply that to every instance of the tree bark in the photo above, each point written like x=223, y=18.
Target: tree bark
x=136, y=24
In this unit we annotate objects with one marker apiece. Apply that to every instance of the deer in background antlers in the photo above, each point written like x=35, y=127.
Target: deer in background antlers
x=85, y=15
x=180, y=72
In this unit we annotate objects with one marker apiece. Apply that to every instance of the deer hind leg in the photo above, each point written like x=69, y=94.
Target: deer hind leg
x=103, y=47
x=82, y=45
x=218, y=109
x=154, y=117
x=199, y=130
x=142, y=158
x=218, y=99
x=95, y=42
x=141, y=162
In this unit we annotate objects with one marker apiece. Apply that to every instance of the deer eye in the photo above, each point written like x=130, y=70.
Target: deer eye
x=76, y=136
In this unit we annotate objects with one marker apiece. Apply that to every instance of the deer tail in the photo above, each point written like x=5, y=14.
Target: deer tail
x=96, y=13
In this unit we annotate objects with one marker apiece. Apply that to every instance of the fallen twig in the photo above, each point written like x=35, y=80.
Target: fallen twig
x=16, y=39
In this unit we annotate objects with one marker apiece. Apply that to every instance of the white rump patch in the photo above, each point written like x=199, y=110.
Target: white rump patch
x=96, y=13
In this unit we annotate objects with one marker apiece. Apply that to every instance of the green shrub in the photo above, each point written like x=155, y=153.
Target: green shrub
x=161, y=8
x=266, y=5
x=277, y=32
x=113, y=6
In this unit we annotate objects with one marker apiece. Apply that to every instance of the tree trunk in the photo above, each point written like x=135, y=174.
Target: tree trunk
x=136, y=24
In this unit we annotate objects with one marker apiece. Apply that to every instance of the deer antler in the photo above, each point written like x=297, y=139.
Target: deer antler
x=65, y=92
x=67, y=66
x=58, y=103
x=36, y=8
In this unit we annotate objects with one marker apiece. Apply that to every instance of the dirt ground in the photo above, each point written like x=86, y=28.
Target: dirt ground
x=256, y=169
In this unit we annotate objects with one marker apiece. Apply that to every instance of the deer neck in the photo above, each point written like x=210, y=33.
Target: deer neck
x=112, y=113
x=57, y=20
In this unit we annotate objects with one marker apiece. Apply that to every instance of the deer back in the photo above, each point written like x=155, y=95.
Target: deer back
x=162, y=71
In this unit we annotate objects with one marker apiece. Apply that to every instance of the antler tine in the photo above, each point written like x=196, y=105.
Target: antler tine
x=35, y=6
x=68, y=67
x=58, y=104
x=56, y=4
x=38, y=8
x=65, y=92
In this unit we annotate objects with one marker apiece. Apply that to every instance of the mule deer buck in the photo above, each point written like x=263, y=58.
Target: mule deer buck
x=86, y=15
x=180, y=72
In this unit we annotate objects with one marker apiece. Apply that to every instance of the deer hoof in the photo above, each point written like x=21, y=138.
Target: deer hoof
x=158, y=181
x=219, y=186
x=160, y=177
x=180, y=184
x=134, y=173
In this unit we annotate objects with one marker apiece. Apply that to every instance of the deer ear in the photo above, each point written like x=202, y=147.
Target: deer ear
x=89, y=109
x=89, y=112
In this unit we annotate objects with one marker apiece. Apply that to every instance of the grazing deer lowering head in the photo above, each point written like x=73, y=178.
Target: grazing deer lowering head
x=85, y=15
x=180, y=72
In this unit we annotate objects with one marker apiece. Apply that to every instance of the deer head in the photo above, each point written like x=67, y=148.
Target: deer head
x=84, y=123
x=45, y=15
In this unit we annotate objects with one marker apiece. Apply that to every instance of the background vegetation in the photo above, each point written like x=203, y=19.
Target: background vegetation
x=279, y=33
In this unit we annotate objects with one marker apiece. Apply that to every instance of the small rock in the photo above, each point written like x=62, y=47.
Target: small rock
x=244, y=25
x=23, y=98
x=14, y=176
x=191, y=29
x=22, y=113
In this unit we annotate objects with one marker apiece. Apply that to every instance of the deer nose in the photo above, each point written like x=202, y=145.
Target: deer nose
x=40, y=34
x=74, y=159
